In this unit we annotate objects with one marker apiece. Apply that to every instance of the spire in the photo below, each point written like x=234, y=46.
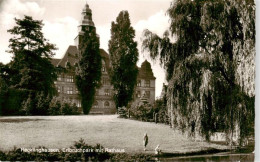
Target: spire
x=86, y=23
x=86, y=19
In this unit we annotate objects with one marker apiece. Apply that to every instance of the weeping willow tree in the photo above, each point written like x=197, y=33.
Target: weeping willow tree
x=204, y=94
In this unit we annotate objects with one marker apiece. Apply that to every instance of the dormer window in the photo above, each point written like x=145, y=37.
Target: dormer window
x=67, y=64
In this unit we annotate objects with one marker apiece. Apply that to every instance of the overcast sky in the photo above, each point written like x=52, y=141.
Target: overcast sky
x=61, y=18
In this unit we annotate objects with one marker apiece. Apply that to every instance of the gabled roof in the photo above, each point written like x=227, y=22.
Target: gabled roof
x=55, y=61
x=145, y=72
x=70, y=56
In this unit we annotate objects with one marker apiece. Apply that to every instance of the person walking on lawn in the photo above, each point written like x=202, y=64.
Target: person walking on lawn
x=145, y=141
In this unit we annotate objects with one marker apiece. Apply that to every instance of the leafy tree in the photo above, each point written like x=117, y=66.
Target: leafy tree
x=42, y=104
x=31, y=67
x=201, y=65
x=27, y=106
x=124, y=56
x=88, y=73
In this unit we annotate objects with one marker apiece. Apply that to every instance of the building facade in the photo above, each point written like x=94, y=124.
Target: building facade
x=145, y=87
x=104, y=103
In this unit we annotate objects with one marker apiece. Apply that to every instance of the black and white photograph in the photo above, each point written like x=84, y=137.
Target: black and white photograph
x=128, y=80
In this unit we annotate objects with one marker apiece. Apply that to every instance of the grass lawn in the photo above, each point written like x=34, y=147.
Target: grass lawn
x=108, y=130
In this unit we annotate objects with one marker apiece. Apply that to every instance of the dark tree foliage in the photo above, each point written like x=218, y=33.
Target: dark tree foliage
x=201, y=64
x=3, y=91
x=124, y=56
x=88, y=72
x=31, y=68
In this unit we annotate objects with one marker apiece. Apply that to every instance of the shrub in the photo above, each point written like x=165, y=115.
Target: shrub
x=69, y=109
x=55, y=107
x=27, y=106
x=147, y=112
x=64, y=107
x=42, y=104
x=142, y=112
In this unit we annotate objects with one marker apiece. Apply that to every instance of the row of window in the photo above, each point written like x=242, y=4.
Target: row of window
x=74, y=90
x=105, y=81
x=67, y=78
x=146, y=94
x=70, y=79
x=67, y=90
x=146, y=83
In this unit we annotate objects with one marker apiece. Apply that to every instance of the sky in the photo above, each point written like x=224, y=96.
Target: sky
x=61, y=18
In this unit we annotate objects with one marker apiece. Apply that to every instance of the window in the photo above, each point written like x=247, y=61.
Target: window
x=70, y=79
x=106, y=104
x=58, y=89
x=138, y=94
x=139, y=83
x=147, y=94
x=103, y=69
x=70, y=90
x=78, y=104
x=147, y=83
x=105, y=81
x=67, y=64
x=59, y=78
x=107, y=92
x=95, y=104
x=76, y=91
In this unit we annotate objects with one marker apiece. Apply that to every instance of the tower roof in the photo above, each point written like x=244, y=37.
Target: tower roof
x=145, y=72
x=86, y=19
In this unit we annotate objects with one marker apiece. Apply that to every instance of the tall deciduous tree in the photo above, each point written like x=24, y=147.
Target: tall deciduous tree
x=88, y=72
x=124, y=56
x=31, y=67
x=201, y=64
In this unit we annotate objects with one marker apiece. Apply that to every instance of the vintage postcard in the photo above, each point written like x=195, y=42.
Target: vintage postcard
x=127, y=80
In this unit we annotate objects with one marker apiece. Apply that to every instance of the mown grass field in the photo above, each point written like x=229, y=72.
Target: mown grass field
x=108, y=130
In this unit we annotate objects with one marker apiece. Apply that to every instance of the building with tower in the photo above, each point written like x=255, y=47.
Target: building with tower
x=145, y=87
x=104, y=103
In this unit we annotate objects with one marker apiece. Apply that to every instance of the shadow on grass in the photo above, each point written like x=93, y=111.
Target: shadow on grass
x=18, y=120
